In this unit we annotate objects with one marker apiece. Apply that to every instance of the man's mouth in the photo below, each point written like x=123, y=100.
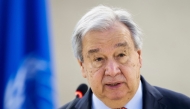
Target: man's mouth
x=113, y=84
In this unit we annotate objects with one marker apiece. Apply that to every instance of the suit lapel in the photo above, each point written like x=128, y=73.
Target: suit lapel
x=152, y=98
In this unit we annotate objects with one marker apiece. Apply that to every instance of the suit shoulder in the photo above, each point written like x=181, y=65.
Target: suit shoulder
x=65, y=106
x=70, y=105
x=171, y=94
x=174, y=98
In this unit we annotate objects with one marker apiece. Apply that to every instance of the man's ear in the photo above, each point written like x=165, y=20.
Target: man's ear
x=82, y=68
x=140, y=57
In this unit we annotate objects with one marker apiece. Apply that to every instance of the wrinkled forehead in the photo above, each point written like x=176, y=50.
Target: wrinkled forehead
x=115, y=37
x=116, y=31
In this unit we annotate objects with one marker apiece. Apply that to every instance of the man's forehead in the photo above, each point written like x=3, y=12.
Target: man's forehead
x=121, y=44
x=117, y=45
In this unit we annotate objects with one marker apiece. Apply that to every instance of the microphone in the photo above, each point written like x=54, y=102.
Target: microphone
x=81, y=90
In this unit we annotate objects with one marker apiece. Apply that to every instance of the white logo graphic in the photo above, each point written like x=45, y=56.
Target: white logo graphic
x=15, y=88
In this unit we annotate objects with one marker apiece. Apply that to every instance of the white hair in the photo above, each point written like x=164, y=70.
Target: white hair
x=102, y=18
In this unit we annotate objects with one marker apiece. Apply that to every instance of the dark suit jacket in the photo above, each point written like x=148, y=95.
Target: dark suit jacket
x=153, y=98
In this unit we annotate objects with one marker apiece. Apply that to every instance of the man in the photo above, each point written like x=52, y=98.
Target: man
x=107, y=45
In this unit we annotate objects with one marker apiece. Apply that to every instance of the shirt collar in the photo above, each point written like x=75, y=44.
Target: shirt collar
x=134, y=103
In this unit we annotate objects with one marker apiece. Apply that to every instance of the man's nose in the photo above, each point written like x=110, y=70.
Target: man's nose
x=112, y=68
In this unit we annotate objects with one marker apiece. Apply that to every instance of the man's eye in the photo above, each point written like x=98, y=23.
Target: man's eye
x=121, y=55
x=99, y=59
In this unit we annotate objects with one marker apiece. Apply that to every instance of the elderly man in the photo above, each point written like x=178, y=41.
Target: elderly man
x=107, y=45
